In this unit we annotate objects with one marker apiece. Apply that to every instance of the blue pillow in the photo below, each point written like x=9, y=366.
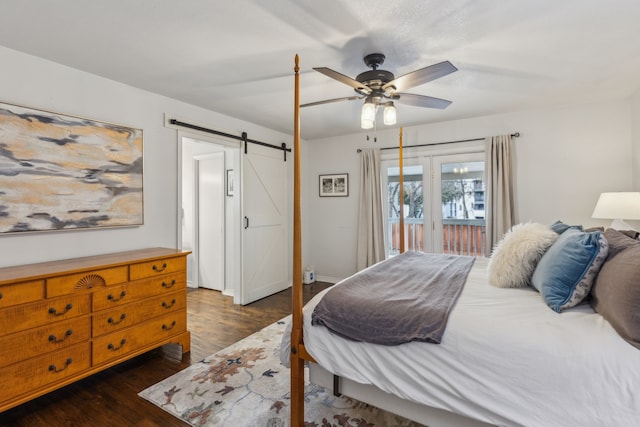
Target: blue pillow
x=566, y=272
x=560, y=227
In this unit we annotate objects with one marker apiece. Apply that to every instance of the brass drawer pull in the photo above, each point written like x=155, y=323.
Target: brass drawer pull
x=53, y=311
x=159, y=269
x=114, y=348
x=52, y=368
x=169, y=285
x=168, y=328
x=116, y=322
x=165, y=305
x=110, y=297
x=54, y=339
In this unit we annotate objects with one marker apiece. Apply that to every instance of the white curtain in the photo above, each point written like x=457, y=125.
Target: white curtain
x=370, y=222
x=499, y=203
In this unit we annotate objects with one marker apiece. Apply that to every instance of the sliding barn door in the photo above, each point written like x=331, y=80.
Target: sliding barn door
x=264, y=211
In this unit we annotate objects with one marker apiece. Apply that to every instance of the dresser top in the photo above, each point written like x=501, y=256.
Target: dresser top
x=74, y=265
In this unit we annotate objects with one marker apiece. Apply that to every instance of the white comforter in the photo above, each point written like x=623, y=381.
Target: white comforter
x=506, y=359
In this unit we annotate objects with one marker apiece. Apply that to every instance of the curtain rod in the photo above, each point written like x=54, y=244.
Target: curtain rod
x=242, y=137
x=513, y=135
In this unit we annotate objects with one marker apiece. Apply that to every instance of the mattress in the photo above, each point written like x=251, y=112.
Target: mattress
x=505, y=359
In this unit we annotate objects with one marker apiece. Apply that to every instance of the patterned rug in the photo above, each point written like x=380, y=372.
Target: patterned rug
x=245, y=385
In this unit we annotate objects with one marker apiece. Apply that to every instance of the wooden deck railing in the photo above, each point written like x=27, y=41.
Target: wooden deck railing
x=459, y=236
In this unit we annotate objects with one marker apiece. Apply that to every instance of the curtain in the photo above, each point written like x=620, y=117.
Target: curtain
x=370, y=247
x=499, y=203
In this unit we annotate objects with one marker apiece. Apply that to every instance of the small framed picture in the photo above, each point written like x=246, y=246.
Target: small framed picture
x=336, y=185
x=229, y=182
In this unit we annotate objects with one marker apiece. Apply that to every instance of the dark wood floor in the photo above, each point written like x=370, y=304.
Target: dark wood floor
x=110, y=398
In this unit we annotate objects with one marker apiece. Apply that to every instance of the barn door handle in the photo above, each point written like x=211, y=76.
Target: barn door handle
x=246, y=222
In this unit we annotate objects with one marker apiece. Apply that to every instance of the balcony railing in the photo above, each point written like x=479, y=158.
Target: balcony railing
x=459, y=236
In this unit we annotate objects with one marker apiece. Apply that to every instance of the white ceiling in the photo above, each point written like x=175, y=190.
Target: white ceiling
x=236, y=57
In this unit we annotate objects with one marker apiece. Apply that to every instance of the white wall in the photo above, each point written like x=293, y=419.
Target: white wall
x=565, y=158
x=34, y=82
x=635, y=135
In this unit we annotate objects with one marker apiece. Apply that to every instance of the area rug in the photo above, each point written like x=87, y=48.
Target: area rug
x=246, y=385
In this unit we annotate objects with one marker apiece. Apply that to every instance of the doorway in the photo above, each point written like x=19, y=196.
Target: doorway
x=208, y=216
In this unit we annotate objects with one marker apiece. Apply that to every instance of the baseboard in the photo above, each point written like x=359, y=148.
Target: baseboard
x=327, y=279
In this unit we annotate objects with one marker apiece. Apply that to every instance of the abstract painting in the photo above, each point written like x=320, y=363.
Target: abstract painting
x=62, y=172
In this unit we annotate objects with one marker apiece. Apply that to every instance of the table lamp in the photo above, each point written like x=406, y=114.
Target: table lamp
x=618, y=206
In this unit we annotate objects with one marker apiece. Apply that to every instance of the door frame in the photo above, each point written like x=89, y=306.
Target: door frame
x=436, y=182
x=419, y=160
x=233, y=244
x=424, y=155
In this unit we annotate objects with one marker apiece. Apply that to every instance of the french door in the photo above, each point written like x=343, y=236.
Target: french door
x=442, y=203
x=459, y=191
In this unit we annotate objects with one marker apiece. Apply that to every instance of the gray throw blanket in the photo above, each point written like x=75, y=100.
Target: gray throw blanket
x=402, y=299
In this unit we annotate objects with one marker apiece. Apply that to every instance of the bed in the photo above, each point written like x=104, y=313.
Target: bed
x=508, y=357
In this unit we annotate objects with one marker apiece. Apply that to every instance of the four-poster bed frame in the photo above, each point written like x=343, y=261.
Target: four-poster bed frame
x=299, y=355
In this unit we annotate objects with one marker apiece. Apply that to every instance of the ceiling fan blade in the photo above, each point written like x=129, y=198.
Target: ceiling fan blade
x=328, y=101
x=421, y=76
x=343, y=79
x=422, y=101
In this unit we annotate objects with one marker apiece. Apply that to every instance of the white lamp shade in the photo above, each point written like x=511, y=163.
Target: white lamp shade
x=389, y=114
x=623, y=205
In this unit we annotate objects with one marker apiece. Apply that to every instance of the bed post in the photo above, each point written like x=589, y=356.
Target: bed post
x=401, y=197
x=297, y=362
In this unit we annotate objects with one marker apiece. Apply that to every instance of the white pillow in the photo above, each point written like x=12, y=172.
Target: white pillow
x=516, y=256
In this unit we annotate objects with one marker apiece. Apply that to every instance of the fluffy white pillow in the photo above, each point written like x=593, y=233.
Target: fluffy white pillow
x=515, y=257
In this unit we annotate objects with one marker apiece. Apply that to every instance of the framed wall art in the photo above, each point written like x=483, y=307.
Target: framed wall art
x=336, y=185
x=61, y=172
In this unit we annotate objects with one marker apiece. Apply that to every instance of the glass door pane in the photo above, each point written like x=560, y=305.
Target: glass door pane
x=412, y=209
x=459, y=223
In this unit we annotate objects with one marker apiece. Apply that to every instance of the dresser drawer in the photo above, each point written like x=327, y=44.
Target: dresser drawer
x=155, y=268
x=118, y=344
x=115, y=296
x=62, y=285
x=20, y=293
x=26, y=316
x=24, y=377
x=34, y=342
x=108, y=321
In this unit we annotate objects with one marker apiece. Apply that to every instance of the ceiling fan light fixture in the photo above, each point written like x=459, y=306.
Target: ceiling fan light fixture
x=368, y=115
x=379, y=85
x=389, y=114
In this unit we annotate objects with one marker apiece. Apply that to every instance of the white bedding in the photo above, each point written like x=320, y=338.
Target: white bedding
x=505, y=358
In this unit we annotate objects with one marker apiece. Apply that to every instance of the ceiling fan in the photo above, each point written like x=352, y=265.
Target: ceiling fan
x=380, y=88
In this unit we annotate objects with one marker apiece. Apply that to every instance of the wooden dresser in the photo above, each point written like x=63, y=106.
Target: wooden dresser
x=64, y=320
